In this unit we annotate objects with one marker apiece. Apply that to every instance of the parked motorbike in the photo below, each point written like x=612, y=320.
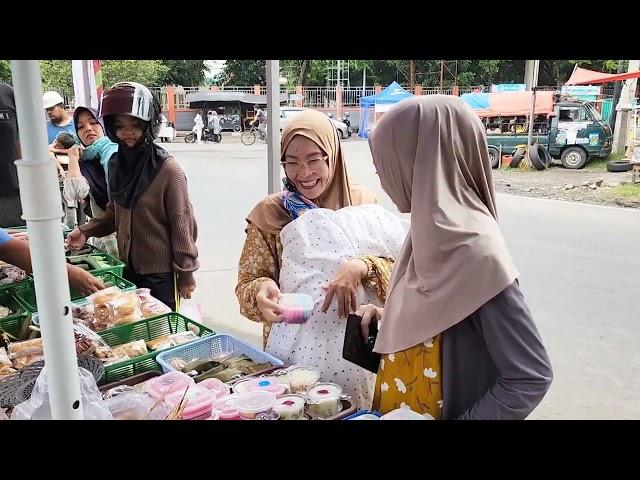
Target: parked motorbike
x=346, y=121
x=207, y=136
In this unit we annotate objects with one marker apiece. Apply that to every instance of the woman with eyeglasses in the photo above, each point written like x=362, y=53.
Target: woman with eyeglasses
x=315, y=178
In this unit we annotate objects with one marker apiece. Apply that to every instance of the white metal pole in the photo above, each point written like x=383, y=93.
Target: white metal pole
x=273, y=125
x=364, y=80
x=42, y=209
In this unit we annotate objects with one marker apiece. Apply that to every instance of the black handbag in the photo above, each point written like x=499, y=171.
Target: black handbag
x=358, y=350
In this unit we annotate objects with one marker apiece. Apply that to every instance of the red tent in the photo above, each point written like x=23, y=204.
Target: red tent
x=582, y=76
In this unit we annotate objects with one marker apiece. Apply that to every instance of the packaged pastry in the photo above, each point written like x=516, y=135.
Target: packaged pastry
x=182, y=337
x=17, y=347
x=134, y=317
x=159, y=343
x=143, y=294
x=101, y=317
x=26, y=360
x=101, y=297
x=6, y=370
x=10, y=274
x=89, y=342
x=4, y=357
x=153, y=308
x=124, y=309
x=84, y=314
x=131, y=349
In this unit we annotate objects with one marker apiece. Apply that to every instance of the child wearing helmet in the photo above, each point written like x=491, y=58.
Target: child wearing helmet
x=149, y=205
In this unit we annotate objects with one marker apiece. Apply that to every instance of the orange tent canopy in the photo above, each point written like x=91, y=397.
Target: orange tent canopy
x=582, y=76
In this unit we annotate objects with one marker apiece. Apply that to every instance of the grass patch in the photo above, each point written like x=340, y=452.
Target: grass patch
x=600, y=164
x=623, y=194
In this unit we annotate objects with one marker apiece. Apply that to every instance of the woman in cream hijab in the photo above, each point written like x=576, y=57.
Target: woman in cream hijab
x=457, y=338
x=316, y=176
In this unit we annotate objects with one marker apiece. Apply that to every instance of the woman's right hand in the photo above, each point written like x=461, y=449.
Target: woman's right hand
x=369, y=313
x=76, y=239
x=75, y=154
x=267, y=298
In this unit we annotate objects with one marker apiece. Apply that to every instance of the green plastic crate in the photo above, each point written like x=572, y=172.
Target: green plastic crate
x=13, y=323
x=10, y=287
x=26, y=294
x=85, y=250
x=113, y=264
x=147, y=329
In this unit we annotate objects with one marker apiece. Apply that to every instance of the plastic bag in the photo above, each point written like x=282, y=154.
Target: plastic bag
x=190, y=309
x=38, y=408
x=133, y=405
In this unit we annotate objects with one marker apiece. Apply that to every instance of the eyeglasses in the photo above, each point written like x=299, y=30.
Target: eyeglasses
x=292, y=168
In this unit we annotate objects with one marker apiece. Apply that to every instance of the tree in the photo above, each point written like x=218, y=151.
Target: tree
x=150, y=73
x=244, y=72
x=56, y=75
x=5, y=71
x=188, y=73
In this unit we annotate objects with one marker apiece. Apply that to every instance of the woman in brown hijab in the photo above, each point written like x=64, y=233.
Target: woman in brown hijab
x=316, y=176
x=457, y=338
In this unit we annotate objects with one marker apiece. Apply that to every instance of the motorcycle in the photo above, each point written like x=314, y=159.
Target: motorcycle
x=346, y=121
x=207, y=136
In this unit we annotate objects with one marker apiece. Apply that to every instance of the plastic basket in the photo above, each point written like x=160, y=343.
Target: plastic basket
x=14, y=322
x=362, y=412
x=147, y=329
x=131, y=381
x=211, y=346
x=26, y=294
x=113, y=264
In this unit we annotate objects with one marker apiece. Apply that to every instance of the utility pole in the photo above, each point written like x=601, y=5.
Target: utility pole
x=441, y=75
x=412, y=74
x=624, y=108
x=529, y=67
x=617, y=88
x=536, y=67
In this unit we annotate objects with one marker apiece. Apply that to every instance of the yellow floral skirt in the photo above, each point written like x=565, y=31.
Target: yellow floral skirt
x=411, y=378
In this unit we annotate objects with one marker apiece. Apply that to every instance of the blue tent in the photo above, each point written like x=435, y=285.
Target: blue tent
x=394, y=93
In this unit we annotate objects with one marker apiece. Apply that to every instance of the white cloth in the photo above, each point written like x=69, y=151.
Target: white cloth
x=198, y=121
x=315, y=246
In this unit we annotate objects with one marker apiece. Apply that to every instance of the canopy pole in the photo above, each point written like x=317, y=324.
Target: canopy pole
x=42, y=209
x=273, y=125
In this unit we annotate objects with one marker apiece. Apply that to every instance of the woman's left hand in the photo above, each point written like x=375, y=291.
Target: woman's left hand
x=186, y=290
x=345, y=285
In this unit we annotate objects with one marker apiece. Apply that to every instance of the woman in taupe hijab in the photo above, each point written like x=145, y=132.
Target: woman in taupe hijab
x=316, y=176
x=457, y=338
